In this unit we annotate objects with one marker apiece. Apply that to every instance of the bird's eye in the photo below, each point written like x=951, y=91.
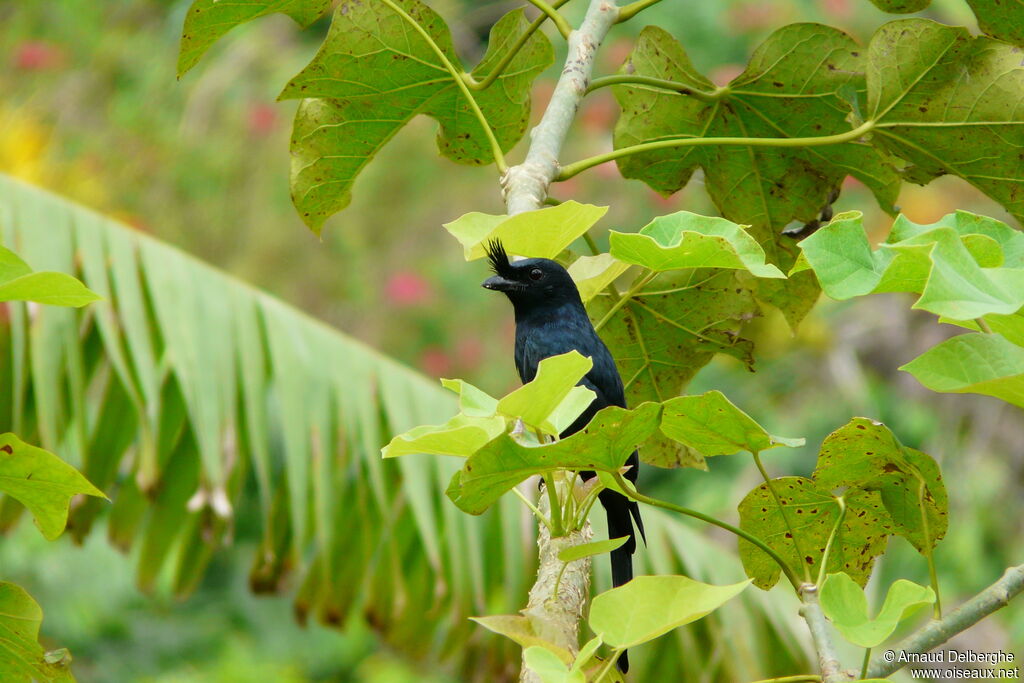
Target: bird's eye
x=536, y=274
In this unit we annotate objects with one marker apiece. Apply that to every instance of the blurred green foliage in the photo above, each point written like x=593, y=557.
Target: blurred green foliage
x=90, y=108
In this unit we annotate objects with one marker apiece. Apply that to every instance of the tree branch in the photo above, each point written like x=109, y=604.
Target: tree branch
x=556, y=617
x=526, y=185
x=993, y=598
x=828, y=660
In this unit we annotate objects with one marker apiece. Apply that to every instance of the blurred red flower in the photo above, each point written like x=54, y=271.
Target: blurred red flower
x=406, y=288
x=262, y=118
x=37, y=55
x=435, y=361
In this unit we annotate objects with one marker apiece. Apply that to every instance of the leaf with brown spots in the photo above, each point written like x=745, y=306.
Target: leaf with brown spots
x=670, y=329
x=799, y=530
x=797, y=84
x=374, y=73
x=866, y=455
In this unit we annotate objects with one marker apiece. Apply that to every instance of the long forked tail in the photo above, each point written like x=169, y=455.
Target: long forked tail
x=621, y=512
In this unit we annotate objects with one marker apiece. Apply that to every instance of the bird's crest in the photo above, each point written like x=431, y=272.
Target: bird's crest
x=498, y=257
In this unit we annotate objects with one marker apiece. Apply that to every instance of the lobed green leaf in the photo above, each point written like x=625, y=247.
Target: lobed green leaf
x=799, y=530
x=208, y=20
x=846, y=606
x=973, y=363
x=713, y=425
x=22, y=658
x=542, y=233
x=41, y=482
x=688, y=240
x=374, y=72
x=865, y=454
x=947, y=102
x=504, y=462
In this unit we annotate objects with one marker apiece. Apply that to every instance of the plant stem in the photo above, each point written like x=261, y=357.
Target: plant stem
x=591, y=244
x=929, y=553
x=864, y=666
x=782, y=511
x=574, y=168
x=511, y=54
x=533, y=508
x=664, y=84
x=641, y=498
x=828, y=661
x=609, y=663
x=639, y=284
x=557, y=529
x=499, y=157
x=831, y=538
x=983, y=324
x=629, y=11
x=526, y=184
x=935, y=633
x=557, y=19
x=799, y=678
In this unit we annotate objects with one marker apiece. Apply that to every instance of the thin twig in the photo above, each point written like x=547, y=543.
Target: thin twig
x=632, y=9
x=511, y=54
x=570, y=170
x=828, y=660
x=557, y=19
x=935, y=633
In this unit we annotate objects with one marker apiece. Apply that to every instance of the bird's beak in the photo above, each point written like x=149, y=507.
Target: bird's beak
x=497, y=283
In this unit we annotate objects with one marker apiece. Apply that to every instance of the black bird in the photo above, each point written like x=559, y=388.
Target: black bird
x=551, y=320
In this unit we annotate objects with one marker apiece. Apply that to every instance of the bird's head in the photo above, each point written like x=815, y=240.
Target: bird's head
x=529, y=282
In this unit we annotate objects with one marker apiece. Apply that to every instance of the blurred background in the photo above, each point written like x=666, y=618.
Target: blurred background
x=89, y=107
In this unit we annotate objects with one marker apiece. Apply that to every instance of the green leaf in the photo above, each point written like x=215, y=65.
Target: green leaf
x=865, y=454
x=592, y=274
x=461, y=436
x=542, y=233
x=712, y=425
x=973, y=363
x=473, y=402
x=687, y=240
x=374, y=73
x=1001, y=20
x=586, y=652
x=42, y=482
x=502, y=463
x=19, y=283
x=668, y=331
x=519, y=629
x=794, y=86
x=11, y=265
x=938, y=261
x=549, y=667
x=22, y=658
x=553, y=399
x=947, y=111
x=799, y=531
x=649, y=606
x=846, y=606
x=208, y=20
x=578, y=552
x=901, y=6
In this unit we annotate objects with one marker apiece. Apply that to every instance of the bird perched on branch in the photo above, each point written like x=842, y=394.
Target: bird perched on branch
x=550, y=321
